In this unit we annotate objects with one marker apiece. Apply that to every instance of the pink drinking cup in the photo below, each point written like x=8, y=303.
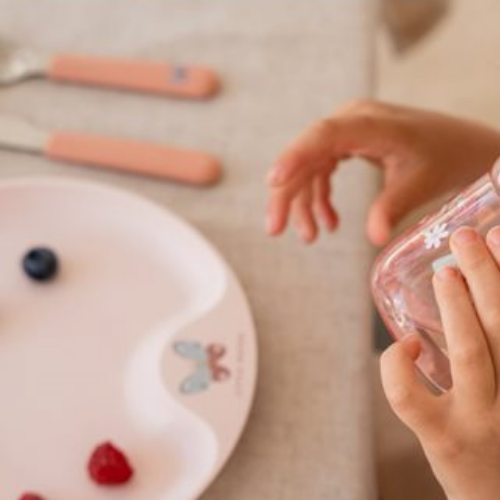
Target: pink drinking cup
x=402, y=274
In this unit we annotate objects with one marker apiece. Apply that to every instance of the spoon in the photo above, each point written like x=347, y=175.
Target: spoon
x=156, y=77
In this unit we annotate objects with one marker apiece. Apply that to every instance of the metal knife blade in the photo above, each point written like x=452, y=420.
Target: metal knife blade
x=20, y=135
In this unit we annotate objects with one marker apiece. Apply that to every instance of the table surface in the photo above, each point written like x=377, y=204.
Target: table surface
x=310, y=431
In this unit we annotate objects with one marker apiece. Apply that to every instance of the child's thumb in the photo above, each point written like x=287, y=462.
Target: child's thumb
x=409, y=398
x=391, y=206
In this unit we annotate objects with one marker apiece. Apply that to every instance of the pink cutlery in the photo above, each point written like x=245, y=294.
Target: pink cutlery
x=181, y=165
x=184, y=81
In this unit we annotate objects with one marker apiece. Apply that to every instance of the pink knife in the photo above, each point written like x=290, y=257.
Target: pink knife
x=176, y=164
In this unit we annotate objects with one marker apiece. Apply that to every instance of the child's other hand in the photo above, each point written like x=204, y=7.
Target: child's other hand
x=422, y=155
x=460, y=430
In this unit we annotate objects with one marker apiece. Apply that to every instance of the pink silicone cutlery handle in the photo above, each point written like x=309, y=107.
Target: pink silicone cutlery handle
x=195, y=82
x=191, y=167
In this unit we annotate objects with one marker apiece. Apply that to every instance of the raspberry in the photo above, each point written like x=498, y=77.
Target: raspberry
x=31, y=496
x=109, y=466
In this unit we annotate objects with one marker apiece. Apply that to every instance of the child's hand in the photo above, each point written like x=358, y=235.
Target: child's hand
x=459, y=431
x=422, y=155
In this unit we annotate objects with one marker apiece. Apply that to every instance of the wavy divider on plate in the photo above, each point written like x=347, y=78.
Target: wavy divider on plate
x=171, y=376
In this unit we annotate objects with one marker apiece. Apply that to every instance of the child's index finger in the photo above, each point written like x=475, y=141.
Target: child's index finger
x=311, y=152
x=470, y=360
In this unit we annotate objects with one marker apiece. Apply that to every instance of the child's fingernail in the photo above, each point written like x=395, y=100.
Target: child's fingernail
x=464, y=236
x=305, y=234
x=275, y=176
x=270, y=224
x=446, y=273
x=270, y=177
x=412, y=345
x=494, y=236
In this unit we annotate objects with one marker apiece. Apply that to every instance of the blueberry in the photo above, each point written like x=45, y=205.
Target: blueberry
x=40, y=264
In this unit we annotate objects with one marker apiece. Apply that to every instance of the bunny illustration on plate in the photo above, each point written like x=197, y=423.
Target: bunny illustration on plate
x=207, y=362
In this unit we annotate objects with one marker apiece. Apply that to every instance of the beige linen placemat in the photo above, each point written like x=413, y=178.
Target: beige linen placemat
x=285, y=63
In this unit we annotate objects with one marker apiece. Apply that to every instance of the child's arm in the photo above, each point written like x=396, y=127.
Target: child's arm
x=459, y=431
x=422, y=155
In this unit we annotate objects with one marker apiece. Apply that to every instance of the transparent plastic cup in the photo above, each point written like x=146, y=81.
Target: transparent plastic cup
x=402, y=274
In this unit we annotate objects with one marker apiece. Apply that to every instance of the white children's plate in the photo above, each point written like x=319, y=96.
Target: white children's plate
x=144, y=338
